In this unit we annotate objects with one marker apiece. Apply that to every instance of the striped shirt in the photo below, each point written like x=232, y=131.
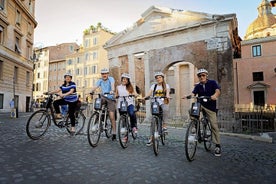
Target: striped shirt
x=66, y=88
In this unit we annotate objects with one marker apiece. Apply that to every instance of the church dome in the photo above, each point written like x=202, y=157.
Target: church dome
x=264, y=25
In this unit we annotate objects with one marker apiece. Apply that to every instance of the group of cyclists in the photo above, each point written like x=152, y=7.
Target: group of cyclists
x=106, y=83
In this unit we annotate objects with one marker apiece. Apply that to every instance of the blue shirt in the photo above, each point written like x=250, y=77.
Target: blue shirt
x=105, y=85
x=207, y=89
x=70, y=98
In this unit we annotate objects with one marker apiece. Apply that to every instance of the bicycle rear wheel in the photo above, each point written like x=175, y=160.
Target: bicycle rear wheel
x=155, y=134
x=207, y=136
x=123, y=131
x=94, y=130
x=191, y=140
x=37, y=124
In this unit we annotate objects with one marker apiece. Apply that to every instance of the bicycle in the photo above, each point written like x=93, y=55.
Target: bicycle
x=194, y=134
x=124, y=127
x=157, y=132
x=39, y=122
x=98, y=122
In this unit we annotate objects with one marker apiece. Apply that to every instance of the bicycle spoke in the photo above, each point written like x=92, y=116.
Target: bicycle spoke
x=37, y=124
x=94, y=130
x=191, y=140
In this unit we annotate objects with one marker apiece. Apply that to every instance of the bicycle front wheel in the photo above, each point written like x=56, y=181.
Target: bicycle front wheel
x=207, y=137
x=191, y=140
x=37, y=124
x=94, y=130
x=155, y=134
x=108, y=127
x=123, y=132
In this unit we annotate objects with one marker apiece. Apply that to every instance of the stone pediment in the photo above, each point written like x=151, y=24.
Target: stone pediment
x=159, y=20
x=258, y=85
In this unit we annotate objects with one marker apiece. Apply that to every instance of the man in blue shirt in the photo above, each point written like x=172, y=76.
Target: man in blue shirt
x=207, y=87
x=107, y=85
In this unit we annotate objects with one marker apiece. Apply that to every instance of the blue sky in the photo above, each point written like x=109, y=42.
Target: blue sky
x=61, y=21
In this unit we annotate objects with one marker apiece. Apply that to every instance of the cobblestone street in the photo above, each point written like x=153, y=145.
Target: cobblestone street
x=60, y=158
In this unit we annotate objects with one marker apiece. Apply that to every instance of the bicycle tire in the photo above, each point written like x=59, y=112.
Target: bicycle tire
x=38, y=124
x=207, y=136
x=94, y=129
x=108, y=127
x=191, y=140
x=79, y=123
x=155, y=134
x=123, y=131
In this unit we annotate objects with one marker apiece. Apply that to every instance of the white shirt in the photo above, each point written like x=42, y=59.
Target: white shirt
x=122, y=91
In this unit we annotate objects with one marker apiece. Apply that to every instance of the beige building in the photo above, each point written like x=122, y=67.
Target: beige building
x=255, y=71
x=177, y=42
x=50, y=68
x=86, y=63
x=17, y=23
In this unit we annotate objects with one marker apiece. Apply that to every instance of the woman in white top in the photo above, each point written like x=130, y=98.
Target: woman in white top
x=161, y=88
x=126, y=89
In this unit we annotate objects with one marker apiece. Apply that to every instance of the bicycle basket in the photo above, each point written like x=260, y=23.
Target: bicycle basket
x=155, y=108
x=195, y=110
x=123, y=106
x=98, y=104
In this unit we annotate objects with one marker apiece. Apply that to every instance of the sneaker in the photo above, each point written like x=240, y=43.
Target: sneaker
x=135, y=130
x=217, y=152
x=149, y=143
x=124, y=140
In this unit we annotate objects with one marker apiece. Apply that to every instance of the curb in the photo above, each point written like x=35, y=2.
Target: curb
x=264, y=137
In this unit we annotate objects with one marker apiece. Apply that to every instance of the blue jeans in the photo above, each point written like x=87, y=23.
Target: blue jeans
x=132, y=115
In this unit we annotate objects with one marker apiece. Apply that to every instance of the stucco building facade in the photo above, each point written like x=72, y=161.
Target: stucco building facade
x=86, y=63
x=177, y=43
x=255, y=71
x=17, y=24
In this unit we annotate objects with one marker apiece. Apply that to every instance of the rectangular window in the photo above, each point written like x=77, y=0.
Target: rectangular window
x=258, y=76
x=28, y=78
x=1, y=69
x=87, y=56
x=87, y=43
x=77, y=71
x=18, y=18
x=95, y=41
x=70, y=62
x=17, y=45
x=2, y=5
x=94, y=69
x=95, y=55
x=15, y=74
x=85, y=71
x=30, y=29
x=256, y=50
x=1, y=35
x=78, y=59
x=1, y=101
x=38, y=75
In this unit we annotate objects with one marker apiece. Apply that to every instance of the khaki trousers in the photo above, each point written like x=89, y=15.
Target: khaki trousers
x=212, y=116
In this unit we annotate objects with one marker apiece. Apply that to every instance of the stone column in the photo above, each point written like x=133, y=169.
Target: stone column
x=177, y=91
x=147, y=83
x=131, y=69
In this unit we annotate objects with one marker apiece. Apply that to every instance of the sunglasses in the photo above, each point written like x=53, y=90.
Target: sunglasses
x=202, y=75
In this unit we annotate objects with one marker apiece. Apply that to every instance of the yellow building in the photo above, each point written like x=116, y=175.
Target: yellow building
x=17, y=25
x=86, y=63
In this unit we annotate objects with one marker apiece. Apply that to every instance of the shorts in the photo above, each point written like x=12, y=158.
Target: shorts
x=111, y=104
